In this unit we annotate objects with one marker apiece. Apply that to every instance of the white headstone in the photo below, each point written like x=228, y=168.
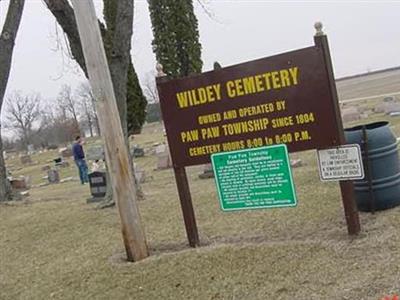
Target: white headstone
x=350, y=114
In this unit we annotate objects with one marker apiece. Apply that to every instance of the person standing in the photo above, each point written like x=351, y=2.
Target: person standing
x=79, y=158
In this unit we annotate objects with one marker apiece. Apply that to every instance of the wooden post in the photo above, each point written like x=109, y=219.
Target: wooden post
x=182, y=184
x=346, y=187
x=187, y=206
x=110, y=126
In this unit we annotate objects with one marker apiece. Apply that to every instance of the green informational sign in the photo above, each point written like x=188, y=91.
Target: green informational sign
x=254, y=178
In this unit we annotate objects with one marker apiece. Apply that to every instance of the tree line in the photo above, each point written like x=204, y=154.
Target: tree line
x=47, y=124
x=176, y=46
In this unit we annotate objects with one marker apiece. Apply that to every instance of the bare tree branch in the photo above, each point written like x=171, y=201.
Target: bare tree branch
x=21, y=114
x=209, y=13
x=68, y=103
x=150, y=89
x=64, y=14
x=87, y=106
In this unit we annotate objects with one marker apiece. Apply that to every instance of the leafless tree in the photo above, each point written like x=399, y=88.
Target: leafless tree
x=69, y=104
x=7, y=42
x=55, y=128
x=150, y=88
x=21, y=113
x=87, y=106
x=117, y=34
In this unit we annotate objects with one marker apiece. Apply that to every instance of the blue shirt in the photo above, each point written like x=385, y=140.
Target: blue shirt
x=77, y=151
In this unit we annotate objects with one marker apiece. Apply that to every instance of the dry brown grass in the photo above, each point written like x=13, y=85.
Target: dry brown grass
x=55, y=246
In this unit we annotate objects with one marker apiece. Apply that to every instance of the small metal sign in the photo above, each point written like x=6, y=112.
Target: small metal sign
x=341, y=163
x=254, y=178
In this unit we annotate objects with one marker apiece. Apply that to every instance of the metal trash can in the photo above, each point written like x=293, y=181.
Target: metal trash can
x=380, y=189
x=98, y=184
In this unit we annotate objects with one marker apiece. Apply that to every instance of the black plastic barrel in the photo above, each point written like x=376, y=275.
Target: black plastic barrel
x=383, y=165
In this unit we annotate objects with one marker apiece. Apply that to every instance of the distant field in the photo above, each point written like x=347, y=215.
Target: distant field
x=366, y=86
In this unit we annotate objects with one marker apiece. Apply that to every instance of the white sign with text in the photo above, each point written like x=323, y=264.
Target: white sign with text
x=341, y=163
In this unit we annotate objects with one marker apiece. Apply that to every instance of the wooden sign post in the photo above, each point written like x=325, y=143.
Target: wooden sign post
x=289, y=98
x=346, y=187
x=110, y=126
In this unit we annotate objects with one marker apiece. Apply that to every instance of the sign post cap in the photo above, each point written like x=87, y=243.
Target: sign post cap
x=160, y=71
x=318, y=27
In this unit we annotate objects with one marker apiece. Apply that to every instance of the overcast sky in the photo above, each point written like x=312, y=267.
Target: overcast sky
x=363, y=35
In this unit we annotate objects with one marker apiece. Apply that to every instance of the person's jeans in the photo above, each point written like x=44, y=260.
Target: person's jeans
x=83, y=170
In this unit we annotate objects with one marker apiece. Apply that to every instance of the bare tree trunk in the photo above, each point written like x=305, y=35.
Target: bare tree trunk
x=96, y=124
x=88, y=117
x=64, y=14
x=7, y=41
x=76, y=122
x=90, y=124
x=5, y=188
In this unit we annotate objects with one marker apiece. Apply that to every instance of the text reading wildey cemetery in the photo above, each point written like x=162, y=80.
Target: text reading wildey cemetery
x=279, y=99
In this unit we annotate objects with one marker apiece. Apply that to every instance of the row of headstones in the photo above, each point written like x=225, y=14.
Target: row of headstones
x=160, y=150
x=355, y=113
x=26, y=159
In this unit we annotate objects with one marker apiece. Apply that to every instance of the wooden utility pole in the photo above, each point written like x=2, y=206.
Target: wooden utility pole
x=110, y=126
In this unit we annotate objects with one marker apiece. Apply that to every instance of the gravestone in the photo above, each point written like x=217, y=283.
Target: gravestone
x=65, y=152
x=25, y=194
x=62, y=164
x=136, y=151
x=95, y=152
x=389, y=99
x=208, y=172
x=18, y=183
x=350, y=114
x=26, y=159
x=379, y=108
x=392, y=108
x=67, y=179
x=46, y=168
x=295, y=163
x=140, y=175
x=160, y=148
x=164, y=160
x=98, y=184
x=362, y=109
x=31, y=149
x=53, y=176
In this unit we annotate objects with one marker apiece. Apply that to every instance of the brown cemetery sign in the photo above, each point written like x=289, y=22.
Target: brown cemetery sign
x=288, y=98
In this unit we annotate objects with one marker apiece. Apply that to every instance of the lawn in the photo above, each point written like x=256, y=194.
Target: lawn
x=55, y=246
